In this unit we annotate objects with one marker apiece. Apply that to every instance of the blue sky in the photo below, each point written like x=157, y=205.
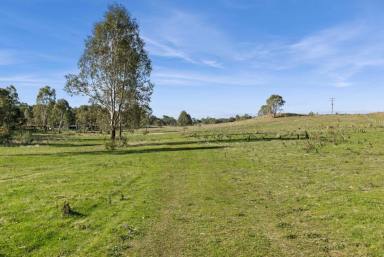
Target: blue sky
x=213, y=58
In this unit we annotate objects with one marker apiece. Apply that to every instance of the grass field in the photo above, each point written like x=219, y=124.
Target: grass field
x=298, y=186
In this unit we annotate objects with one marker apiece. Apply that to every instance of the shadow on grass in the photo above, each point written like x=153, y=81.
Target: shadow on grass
x=79, y=141
x=122, y=151
x=55, y=144
x=235, y=140
x=73, y=213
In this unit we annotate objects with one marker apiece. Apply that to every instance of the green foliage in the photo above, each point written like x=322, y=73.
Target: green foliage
x=184, y=119
x=264, y=110
x=5, y=136
x=273, y=105
x=23, y=137
x=210, y=120
x=61, y=113
x=10, y=114
x=135, y=116
x=42, y=111
x=110, y=145
x=46, y=96
x=114, y=68
x=169, y=121
x=153, y=120
x=90, y=118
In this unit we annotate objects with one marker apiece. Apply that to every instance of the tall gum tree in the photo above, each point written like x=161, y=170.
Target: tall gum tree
x=114, y=68
x=45, y=100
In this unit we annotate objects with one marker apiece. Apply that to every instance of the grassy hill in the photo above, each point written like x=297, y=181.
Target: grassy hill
x=295, y=186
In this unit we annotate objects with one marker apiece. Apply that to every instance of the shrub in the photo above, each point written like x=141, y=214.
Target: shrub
x=110, y=145
x=5, y=136
x=24, y=137
x=317, y=139
x=123, y=141
x=312, y=145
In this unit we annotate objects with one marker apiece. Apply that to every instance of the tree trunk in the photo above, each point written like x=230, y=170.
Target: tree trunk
x=113, y=134
x=60, y=124
x=120, y=130
x=113, y=125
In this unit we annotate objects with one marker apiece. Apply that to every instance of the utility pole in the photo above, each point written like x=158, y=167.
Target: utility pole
x=332, y=99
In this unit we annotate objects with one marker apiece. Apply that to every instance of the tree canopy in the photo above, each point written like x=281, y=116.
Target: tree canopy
x=274, y=104
x=45, y=100
x=114, y=68
x=184, y=119
x=61, y=112
x=9, y=112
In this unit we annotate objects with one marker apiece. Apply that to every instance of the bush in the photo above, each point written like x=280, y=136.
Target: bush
x=5, y=136
x=317, y=139
x=24, y=137
x=123, y=141
x=110, y=145
x=313, y=145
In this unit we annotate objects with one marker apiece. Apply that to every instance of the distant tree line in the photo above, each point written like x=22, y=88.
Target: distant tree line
x=185, y=119
x=51, y=114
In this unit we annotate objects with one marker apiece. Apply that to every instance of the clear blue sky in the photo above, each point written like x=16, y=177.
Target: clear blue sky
x=216, y=57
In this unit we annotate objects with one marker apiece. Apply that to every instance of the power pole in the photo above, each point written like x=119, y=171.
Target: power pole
x=332, y=99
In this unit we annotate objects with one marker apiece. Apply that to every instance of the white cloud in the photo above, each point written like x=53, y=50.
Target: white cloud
x=326, y=43
x=188, y=37
x=32, y=80
x=341, y=52
x=213, y=63
x=166, y=50
x=174, y=77
x=333, y=55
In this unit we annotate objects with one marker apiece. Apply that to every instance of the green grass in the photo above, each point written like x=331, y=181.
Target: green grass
x=248, y=188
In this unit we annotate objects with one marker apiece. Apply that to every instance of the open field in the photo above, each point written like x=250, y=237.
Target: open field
x=298, y=186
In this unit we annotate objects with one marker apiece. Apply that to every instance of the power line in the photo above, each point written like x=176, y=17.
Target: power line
x=332, y=99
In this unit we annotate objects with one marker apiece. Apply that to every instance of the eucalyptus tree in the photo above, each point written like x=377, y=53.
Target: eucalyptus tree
x=264, y=110
x=184, y=119
x=9, y=111
x=82, y=117
x=275, y=104
x=45, y=101
x=61, y=112
x=114, y=66
x=133, y=116
x=28, y=115
x=169, y=121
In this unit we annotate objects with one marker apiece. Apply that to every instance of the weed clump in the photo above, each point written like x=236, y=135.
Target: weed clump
x=110, y=145
x=318, y=139
x=67, y=211
x=123, y=141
